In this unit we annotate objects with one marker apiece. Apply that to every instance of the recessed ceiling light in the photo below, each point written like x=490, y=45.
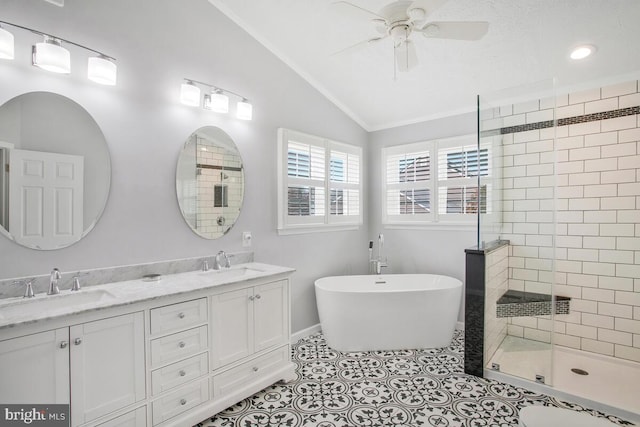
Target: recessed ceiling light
x=582, y=52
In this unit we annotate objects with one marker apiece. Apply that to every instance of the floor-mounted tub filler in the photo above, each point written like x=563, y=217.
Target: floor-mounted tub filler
x=389, y=311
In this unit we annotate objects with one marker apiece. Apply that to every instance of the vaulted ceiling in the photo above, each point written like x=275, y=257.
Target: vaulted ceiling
x=528, y=41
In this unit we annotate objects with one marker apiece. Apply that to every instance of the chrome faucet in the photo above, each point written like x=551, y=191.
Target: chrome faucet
x=28, y=291
x=222, y=261
x=53, y=282
x=75, y=285
x=377, y=264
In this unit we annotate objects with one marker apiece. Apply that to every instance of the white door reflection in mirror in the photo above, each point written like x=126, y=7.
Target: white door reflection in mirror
x=64, y=133
x=46, y=193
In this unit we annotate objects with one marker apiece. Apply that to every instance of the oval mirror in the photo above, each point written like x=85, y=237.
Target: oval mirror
x=210, y=182
x=56, y=171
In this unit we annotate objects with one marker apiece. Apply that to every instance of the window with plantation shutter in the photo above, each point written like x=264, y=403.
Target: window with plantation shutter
x=434, y=182
x=319, y=183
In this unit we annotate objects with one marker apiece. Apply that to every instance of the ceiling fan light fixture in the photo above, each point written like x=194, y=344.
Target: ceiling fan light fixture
x=582, y=51
x=417, y=14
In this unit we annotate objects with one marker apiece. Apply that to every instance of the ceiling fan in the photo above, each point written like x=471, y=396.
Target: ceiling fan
x=399, y=20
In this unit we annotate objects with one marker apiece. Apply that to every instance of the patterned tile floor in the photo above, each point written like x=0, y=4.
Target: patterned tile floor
x=384, y=388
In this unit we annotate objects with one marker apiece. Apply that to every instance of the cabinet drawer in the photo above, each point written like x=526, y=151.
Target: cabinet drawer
x=243, y=375
x=179, y=401
x=179, y=373
x=135, y=418
x=177, y=317
x=178, y=346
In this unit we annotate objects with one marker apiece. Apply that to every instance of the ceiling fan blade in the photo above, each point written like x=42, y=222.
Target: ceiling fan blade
x=406, y=57
x=370, y=12
x=455, y=30
x=359, y=45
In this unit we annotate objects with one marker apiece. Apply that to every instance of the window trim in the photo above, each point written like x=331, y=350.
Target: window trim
x=434, y=219
x=297, y=225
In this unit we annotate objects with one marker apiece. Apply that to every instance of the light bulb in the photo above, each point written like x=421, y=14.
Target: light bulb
x=102, y=70
x=244, y=110
x=51, y=56
x=219, y=102
x=582, y=52
x=6, y=44
x=190, y=94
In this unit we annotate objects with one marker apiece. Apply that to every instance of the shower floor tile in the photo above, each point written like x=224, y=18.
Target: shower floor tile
x=384, y=388
x=610, y=381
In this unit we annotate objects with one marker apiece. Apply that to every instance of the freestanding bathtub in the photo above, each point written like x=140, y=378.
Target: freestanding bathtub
x=389, y=311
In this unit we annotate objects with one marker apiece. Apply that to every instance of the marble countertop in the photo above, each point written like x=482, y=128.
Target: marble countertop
x=19, y=311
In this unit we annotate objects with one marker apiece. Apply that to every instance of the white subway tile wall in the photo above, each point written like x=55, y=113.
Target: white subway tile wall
x=224, y=169
x=594, y=199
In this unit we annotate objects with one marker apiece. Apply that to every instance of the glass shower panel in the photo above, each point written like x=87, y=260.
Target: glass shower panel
x=517, y=132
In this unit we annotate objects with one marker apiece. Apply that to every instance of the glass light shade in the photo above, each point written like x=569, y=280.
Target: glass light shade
x=219, y=103
x=102, y=70
x=50, y=56
x=190, y=94
x=244, y=110
x=6, y=44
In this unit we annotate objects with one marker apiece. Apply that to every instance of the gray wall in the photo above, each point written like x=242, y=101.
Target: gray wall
x=158, y=43
x=436, y=250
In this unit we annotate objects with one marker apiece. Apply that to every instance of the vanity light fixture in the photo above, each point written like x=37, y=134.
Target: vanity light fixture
x=581, y=52
x=6, y=44
x=102, y=69
x=244, y=110
x=215, y=99
x=190, y=94
x=51, y=55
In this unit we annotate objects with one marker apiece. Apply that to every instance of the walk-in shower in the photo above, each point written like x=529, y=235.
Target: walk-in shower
x=553, y=287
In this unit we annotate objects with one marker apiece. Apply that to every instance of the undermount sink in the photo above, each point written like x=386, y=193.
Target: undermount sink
x=231, y=272
x=52, y=305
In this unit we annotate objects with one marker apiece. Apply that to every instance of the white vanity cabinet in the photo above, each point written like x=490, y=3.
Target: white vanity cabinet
x=35, y=368
x=97, y=366
x=179, y=358
x=249, y=320
x=107, y=366
x=197, y=345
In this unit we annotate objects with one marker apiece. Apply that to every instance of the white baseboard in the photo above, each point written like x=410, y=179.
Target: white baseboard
x=295, y=337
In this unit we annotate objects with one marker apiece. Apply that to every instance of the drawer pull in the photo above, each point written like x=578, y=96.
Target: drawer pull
x=255, y=369
x=63, y=344
x=183, y=402
x=251, y=298
x=182, y=373
x=181, y=344
x=77, y=341
x=258, y=296
x=181, y=315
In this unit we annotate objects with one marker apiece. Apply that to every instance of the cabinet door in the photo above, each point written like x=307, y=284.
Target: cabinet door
x=232, y=326
x=35, y=368
x=107, y=366
x=271, y=317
